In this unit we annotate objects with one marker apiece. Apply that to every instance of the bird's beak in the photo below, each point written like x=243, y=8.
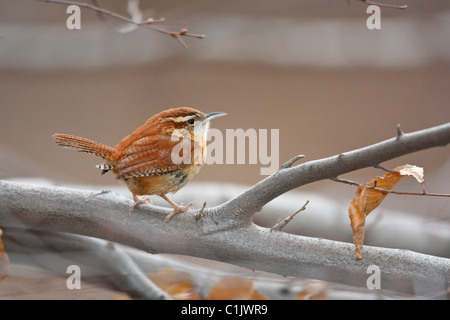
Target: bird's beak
x=212, y=115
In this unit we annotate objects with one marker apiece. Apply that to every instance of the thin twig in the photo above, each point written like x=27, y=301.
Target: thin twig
x=280, y=225
x=145, y=24
x=290, y=162
x=346, y=181
x=410, y=193
x=399, y=131
x=423, y=193
x=383, y=168
x=279, y=218
x=135, y=14
x=199, y=215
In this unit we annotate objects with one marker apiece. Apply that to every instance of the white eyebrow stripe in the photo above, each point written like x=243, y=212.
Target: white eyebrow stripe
x=180, y=119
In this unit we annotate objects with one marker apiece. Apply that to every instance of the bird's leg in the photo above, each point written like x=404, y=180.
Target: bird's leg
x=137, y=201
x=176, y=208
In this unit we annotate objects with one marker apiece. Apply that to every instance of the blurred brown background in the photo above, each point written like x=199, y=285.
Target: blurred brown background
x=310, y=69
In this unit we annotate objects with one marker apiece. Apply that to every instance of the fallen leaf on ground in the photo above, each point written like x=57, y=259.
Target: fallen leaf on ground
x=235, y=288
x=367, y=199
x=178, y=284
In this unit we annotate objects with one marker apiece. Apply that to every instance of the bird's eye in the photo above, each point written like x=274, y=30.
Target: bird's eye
x=191, y=121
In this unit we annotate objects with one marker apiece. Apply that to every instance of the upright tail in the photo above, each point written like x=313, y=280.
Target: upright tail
x=83, y=145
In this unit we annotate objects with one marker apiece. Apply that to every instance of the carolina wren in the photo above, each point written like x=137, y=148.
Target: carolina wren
x=148, y=160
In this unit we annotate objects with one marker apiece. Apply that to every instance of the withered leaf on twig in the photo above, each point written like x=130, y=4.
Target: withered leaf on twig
x=367, y=199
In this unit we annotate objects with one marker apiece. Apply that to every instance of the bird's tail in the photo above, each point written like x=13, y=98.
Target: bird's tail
x=83, y=145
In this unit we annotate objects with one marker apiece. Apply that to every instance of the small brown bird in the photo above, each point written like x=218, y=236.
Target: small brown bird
x=159, y=157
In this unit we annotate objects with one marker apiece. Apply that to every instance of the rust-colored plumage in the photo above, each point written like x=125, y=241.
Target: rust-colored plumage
x=152, y=159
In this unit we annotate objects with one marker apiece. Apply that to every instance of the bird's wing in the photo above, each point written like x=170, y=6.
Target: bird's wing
x=154, y=155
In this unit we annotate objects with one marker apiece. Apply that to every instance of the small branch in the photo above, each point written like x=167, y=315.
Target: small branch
x=290, y=162
x=334, y=166
x=282, y=224
x=140, y=285
x=199, y=215
x=181, y=33
x=354, y=183
x=95, y=8
x=410, y=193
x=145, y=24
x=119, y=271
x=377, y=166
x=135, y=14
x=399, y=131
x=346, y=181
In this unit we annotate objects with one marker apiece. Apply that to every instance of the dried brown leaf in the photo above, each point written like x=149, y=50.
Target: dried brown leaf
x=411, y=170
x=178, y=284
x=235, y=288
x=367, y=199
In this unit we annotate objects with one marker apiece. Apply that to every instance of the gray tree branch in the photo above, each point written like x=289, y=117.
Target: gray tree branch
x=63, y=249
x=101, y=261
x=226, y=233
x=251, y=201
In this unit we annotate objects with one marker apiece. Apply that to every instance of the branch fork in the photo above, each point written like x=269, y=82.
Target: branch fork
x=226, y=232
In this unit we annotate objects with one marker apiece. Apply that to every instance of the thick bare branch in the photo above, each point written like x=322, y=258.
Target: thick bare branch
x=226, y=233
x=251, y=201
x=212, y=237
x=119, y=270
x=63, y=249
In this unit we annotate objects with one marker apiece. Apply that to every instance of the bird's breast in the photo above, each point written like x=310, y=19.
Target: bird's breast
x=169, y=182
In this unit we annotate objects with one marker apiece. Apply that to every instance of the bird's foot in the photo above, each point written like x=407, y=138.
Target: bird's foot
x=137, y=201
x=178, y=209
